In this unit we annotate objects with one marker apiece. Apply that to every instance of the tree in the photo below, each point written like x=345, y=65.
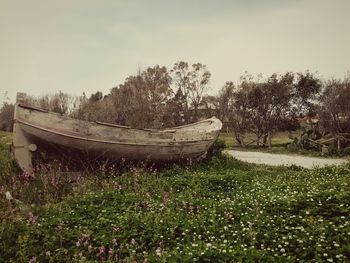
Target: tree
x=130, y=103
x=193, y=83
x=305, y=93
x=334, y=110
x=260, y=106
x=141, y=100
x=6, y=116
x=269, y=103
x=157, y=85
x=182, y=80
x=95, y=97
x=175, y=110
x=239, y=114
x=200, y=80
x=209, y=107
x=95, y=108
x=60, y=102
x=225, y=100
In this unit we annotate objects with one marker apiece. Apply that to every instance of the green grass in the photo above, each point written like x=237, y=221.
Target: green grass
x=223, y=210
x=280, y=141
x=7, y=164
x=7, y=136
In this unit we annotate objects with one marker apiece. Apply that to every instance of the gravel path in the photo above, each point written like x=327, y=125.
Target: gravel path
x=283, y=159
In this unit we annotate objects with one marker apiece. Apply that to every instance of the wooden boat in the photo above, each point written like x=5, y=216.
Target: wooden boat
x=38, y=129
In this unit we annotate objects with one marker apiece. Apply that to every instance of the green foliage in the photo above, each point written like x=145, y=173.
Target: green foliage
x=140, y=102
x=217, y=148
x=223, y=210
x=334, y=105
x=7, y=164
x=346, y=150
x=6, y=116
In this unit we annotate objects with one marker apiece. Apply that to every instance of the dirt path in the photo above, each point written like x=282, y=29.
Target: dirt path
x=283, y=159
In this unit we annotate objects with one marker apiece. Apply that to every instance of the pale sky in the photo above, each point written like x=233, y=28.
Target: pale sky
x=81, y=46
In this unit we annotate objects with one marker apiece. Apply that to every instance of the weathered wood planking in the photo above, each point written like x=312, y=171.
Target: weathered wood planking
x=35, y=129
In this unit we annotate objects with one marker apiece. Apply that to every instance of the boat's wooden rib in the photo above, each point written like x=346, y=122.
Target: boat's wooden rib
x=112, y=125
x=37, y=129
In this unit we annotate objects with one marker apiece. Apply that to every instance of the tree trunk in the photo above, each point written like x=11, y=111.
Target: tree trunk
x=264, y=140
x=238, y=139
x=269, y=139
x=257, y=139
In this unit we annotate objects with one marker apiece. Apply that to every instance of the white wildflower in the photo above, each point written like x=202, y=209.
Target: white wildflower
x=8, y=196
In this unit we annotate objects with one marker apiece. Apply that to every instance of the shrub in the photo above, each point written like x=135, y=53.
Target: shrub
x=346, y=151
x=7, y=162
x=217, y=148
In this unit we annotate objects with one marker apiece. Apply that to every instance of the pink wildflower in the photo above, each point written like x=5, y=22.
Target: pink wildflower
x=102, y=251
x=54, y=182
x=32, y=219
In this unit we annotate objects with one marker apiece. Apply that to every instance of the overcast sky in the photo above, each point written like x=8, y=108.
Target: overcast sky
x=83, y=45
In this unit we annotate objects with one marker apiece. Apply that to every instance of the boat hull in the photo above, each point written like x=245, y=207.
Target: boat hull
x=39, y=130
x=116, y=150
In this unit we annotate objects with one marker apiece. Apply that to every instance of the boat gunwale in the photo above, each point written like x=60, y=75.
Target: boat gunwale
x=25, y=106
x=168, y=130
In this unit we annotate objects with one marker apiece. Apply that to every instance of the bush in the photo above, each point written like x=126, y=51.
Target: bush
x=216, y=149
x=8, y=165
x=6, y=116
x=346, y=151
x=294, y=145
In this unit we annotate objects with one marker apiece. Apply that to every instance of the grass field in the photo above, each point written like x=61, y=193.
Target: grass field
x=280, y=141
x=5, y=137
x=222, y=210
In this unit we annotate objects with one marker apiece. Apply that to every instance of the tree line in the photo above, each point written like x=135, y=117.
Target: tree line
x=158, y=97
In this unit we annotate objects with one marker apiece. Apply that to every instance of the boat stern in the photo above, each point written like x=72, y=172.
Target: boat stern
x=22, y=148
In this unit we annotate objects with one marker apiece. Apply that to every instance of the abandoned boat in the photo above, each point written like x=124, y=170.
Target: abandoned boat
x=37, y=129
